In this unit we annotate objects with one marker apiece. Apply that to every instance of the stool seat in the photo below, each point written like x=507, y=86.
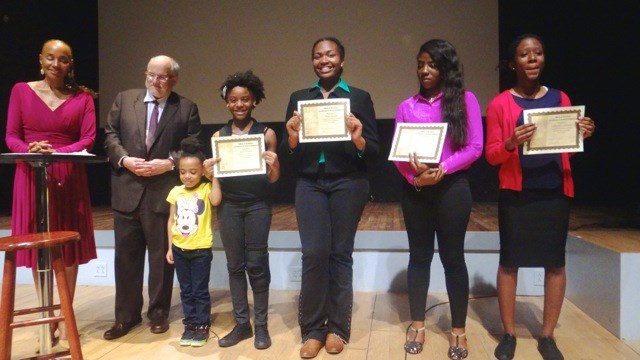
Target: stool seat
x=53, y=241
x=38, y=240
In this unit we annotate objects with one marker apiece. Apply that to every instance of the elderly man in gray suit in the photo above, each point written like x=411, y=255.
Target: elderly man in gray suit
x=143, y=127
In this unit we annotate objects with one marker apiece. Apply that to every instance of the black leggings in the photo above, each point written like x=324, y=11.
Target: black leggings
x=441, y=209
x=244, y=229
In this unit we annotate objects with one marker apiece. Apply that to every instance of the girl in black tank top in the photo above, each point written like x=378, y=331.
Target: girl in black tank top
x=244, y=214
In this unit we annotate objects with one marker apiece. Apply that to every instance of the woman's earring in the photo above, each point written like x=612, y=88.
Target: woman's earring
x=71, y=75
x=41, y=71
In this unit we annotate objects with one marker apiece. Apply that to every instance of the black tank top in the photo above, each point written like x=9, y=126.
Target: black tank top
x=245, y=188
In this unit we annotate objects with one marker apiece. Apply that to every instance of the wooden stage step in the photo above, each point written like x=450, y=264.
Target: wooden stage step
x=388, y=216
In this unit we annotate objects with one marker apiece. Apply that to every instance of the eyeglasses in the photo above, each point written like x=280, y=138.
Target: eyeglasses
x=161, y=78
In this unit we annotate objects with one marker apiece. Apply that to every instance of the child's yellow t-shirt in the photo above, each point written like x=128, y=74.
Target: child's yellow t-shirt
x=192, y=225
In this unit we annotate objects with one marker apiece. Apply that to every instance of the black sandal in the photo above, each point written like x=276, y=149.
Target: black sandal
x=456, y=352
x=413, y=346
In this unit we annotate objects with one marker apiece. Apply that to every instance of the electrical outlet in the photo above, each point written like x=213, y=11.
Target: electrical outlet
x=100, y=269
x=538, y=277
x=295, y=273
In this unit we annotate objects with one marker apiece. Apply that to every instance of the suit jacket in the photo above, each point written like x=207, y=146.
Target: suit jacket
x=125, y=136
x=341, y=156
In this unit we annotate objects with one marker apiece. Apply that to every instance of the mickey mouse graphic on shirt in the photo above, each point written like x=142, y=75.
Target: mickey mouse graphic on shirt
x=188, y=209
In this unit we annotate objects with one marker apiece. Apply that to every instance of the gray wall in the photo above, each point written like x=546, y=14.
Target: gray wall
x=212, y=39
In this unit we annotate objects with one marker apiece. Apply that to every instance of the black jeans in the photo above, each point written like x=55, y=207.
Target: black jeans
x=244, y=229
x=328, y=210
x=441, y=209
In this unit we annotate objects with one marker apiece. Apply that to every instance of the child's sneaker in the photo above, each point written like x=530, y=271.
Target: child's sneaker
x=201, y=335
x=187, y=335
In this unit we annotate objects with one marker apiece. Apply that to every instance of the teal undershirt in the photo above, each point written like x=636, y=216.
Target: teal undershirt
x=343, y=85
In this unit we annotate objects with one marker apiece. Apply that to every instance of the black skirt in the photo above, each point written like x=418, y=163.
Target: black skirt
x=534, y=225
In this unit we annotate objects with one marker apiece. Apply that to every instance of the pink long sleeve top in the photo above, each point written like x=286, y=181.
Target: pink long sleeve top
x=69, y=128
x=418, y=109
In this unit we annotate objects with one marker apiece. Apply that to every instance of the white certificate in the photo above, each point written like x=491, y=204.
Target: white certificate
x=324, y=120
x=556, y=130
x=239, y=155
x=425, y=140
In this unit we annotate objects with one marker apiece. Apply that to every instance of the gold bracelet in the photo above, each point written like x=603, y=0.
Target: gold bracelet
x=415, y=184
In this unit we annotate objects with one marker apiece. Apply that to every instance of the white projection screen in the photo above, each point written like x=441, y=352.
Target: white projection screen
x=212, y=39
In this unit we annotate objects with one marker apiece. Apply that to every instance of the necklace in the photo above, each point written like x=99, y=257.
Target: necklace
x=430, y=97
x=50, y=95
x=538, y=93
x=245, y=130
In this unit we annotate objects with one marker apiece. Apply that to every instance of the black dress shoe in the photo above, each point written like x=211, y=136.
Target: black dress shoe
x=506, y=349
x=262, y=340
x=159, y=326
x=119, y=330
x=240, y=332
x=548, y=349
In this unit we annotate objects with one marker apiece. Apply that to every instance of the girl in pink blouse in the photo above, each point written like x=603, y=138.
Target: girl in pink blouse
x=436, y=199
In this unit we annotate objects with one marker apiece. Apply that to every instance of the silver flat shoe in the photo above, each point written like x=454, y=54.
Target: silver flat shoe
x=413, y=346
x=456, y=352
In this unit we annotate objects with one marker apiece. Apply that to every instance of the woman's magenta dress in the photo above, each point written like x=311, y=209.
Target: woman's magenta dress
x=70, y=127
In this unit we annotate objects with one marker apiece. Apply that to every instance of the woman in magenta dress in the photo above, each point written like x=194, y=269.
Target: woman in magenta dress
x=47, y=116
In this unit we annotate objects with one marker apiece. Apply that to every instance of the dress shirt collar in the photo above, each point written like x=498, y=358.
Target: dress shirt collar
x=149, y=98
x=341, y=84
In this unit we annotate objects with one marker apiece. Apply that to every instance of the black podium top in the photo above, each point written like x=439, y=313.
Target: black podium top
x=37, y=159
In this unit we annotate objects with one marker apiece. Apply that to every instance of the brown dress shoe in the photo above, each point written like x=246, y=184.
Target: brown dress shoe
x=310, y=348
x=334, y=344
x=119, y=330
x=159, y=326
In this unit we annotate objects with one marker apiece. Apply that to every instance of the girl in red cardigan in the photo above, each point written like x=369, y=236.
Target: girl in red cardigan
x=535, y=194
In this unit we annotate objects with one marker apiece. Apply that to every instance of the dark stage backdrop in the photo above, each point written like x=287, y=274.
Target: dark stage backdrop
x=24, y=26
x=587, y=56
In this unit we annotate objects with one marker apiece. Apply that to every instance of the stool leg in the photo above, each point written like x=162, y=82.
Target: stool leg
x=7, y=305
x=66, y=304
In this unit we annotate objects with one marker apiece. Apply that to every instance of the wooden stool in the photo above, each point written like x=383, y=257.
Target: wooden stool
x=53, y=240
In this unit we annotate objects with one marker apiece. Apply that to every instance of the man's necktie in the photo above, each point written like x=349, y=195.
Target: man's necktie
x=153, y=124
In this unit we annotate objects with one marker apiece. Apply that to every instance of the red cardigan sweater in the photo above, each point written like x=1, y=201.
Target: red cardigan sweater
x=502, y=115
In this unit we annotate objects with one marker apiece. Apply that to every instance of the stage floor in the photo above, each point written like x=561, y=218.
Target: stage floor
x=378, y=329
x=380, y=318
